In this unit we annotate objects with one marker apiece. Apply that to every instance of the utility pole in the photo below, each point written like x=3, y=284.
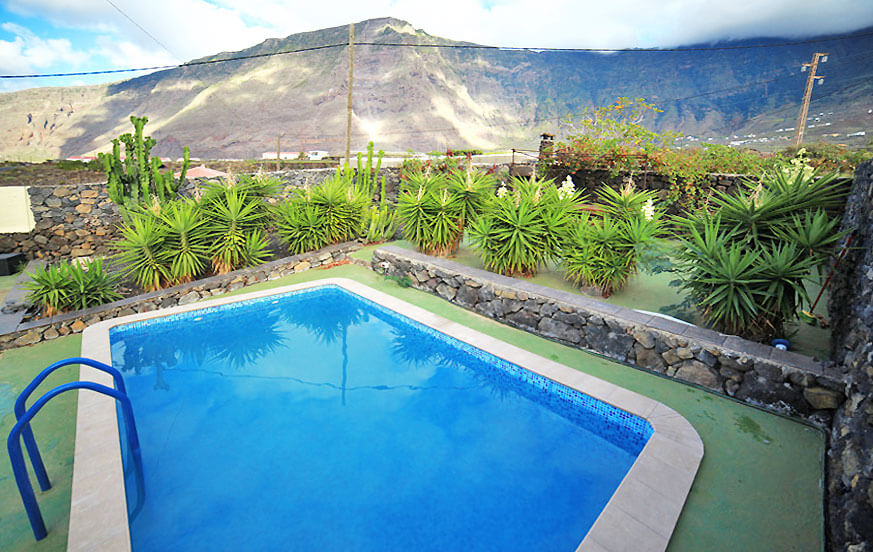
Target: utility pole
x=804, y=106
x=349, y=103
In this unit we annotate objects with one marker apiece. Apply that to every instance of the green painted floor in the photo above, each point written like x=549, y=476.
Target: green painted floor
x=759, y=486
x=6, y=283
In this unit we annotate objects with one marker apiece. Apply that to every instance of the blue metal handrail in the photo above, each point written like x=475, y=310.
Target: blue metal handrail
x=21, y=402
x=13, y=443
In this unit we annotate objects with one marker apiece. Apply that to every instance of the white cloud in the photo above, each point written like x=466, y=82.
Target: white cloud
x=28, y=53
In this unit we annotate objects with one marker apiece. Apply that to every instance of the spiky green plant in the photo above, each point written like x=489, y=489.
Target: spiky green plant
x=430, y=214
x=233, y=217
x=141, y=253
x=65, y=287
x=185, y=240
x=300, y=225
x=136, y=178
x=522, y=229
x=341, y=204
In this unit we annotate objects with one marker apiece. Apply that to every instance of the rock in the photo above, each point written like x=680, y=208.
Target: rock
x=83, y=208
x=769, y=371
x=300, y=267
x=823, y=399
x=188, y=298
x=608, y=342
x=648, y=358
x=558, y=330
x=64, y=330
x=52, y=202
x=61, y=191
x=645, y=338
x=699, y=373
x=446, y=291
x=31, y=337
x=524, y=318
x=466, y=296
x=89, y=193
x=78, y=326
x=670, y=357
x=684, y=353
x=50, y=334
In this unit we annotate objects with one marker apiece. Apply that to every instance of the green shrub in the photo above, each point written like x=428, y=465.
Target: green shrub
x=234, y=222
x=521, y=229
x=185, y=242
x=141, y=252
x=331, y=212
x=607, y=246
x=430, y=214
x=71, y=287
x=745, y=263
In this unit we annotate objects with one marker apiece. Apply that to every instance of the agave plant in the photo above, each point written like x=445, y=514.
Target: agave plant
x=300, y=226
x=431, y=214
x=341, y=204
x=472, y=190
x=745, y=264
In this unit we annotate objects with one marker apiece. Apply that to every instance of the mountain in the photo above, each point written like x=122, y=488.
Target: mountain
x=429, y=98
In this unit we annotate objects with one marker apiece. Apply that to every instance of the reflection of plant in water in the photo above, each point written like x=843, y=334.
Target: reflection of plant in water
x=329, y=322
x=241, y=344
x=412, y=347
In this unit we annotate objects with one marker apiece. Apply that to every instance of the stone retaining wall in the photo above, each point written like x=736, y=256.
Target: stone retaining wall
x=758, y=374
x=29, y=333
x=71, y=220
x=850, y=458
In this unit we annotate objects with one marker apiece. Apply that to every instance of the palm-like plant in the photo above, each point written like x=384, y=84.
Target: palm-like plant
x=185, y=240
x=520, y=230
x=234, y=218
x=300, y=226
x=71, y=287
x=341, y=205
x=431, y=214
x=745, y=264
x=141, y=253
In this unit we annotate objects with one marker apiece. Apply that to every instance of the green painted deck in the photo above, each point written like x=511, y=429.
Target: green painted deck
x=760, y=486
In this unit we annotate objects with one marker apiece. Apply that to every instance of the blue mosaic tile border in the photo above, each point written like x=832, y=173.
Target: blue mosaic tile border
x=626, y=430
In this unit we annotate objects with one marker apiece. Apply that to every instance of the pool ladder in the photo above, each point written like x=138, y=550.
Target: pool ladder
x=22, y=429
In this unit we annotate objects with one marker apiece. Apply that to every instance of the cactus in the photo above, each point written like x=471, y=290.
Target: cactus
x=136, y=179
x=366, y=177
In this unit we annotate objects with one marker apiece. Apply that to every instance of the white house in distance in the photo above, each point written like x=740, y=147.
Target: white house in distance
x=316, y=155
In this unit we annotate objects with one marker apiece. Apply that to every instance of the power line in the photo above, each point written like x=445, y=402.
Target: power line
x=418, y=45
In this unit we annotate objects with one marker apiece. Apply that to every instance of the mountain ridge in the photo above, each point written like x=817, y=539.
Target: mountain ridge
x=428, y=98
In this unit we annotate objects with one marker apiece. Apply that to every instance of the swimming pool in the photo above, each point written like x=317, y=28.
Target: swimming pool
x=324, y=418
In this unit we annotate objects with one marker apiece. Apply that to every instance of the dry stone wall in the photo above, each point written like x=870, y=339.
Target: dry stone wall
x=36, y=331
x=72, y=220
x=758, y=374
x=850, y=458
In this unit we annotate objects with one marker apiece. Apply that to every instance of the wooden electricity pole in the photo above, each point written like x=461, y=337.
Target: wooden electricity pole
x=349, y=103
x=804, y=106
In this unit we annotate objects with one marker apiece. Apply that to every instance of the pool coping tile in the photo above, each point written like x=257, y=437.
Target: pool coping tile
x=640, y=515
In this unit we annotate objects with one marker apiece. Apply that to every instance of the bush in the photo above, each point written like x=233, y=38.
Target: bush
x=64, y=287
x=745, y=263
x=234, y=220
x=523, y=228
x=331, y=212
x=607, y=246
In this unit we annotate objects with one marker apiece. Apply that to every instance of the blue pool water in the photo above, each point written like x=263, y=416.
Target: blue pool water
x=318, y=420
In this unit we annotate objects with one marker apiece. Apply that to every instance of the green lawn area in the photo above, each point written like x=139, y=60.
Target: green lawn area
x=759, y=486
x=649, y=292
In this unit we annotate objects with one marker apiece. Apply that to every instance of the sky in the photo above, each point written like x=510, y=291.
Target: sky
x=53, y=36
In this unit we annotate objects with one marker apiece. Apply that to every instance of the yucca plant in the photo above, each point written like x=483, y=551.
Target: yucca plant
x=430, y=214
x=761, y=245
x=341, y=204
x=300, y=226
x=522, y=229
x=66, y=287
x=141, y=252
x=472, y=189
x=185, y=240
x=234, y=219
